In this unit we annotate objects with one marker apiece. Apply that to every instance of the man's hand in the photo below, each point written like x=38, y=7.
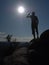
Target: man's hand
x=28, y=15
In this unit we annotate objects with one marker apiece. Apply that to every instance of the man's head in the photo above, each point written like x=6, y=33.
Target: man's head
x=33, y=13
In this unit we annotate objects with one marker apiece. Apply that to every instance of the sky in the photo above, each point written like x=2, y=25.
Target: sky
x=11, y=22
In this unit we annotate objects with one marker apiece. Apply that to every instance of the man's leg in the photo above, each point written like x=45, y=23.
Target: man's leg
x=33, y=32
x=34, y=35
x=37, y=32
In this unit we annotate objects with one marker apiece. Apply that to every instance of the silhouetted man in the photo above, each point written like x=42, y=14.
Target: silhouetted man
x=34, y=23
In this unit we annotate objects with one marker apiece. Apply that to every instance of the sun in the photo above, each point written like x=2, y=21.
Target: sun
x=21, y=9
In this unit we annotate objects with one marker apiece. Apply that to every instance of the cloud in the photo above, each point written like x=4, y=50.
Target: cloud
x=2, y=33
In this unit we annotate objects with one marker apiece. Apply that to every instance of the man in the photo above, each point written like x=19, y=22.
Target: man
x=34, y=23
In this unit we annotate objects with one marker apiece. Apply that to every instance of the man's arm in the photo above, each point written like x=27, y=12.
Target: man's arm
x=28, y=16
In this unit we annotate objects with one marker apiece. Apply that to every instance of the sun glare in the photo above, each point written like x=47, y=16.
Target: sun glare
x=21, y=9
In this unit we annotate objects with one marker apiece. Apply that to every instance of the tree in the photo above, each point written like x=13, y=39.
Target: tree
x=8, y=37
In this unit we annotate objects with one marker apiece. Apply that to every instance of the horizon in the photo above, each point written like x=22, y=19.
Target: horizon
x=16, y=39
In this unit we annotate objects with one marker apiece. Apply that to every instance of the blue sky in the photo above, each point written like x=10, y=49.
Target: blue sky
x=11, y=22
